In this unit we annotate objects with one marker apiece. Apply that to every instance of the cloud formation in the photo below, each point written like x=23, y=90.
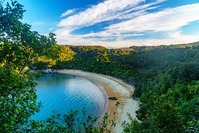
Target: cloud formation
x=67, y=13
x=165, y=20
x=134, y=19
x=107, y=10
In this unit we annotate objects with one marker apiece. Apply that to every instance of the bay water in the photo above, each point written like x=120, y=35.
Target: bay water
x=61, y=93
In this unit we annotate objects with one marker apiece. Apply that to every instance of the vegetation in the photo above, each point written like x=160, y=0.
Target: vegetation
x=166, y=79
x=19, y=48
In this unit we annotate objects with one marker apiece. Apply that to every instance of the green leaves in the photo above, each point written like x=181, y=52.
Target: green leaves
x=69, y=123
x=17, y=98
x=19, y=46
x=170, y=102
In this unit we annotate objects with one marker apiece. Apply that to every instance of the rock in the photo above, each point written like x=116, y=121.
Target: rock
x=112, y=98
x=117, y=103
x=48, y=71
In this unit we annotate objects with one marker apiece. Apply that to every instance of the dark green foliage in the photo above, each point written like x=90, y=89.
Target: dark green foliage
x=9, y=20
x=166, y=79
x=163, y=76
x=170, y=100
x=18, y=50
x=19, y=46
x=69, y=123
x=17, y=99
x=91, y=58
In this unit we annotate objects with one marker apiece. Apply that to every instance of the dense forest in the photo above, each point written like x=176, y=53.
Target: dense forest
x=166, y=78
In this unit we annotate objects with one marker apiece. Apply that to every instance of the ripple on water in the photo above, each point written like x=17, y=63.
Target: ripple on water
x=62, y=93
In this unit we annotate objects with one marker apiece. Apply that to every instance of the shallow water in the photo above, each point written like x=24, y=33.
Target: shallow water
x=62, y=93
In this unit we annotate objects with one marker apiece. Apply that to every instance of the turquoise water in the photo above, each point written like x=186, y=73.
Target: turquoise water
x=62, y=92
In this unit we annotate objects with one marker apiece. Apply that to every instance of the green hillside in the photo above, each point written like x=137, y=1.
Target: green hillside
x=166, y=78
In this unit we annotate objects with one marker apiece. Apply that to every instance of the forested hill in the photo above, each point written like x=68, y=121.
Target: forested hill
x=166, y=79
x=145, y=60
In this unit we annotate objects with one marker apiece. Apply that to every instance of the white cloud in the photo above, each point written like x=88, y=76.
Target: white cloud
x=166, y=20
x=67, y=13
x=108, y=10
x=135, y=21
x=52, y=28
x=175, y=38
x=101, y=12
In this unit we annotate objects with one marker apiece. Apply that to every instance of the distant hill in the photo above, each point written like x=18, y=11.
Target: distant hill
x=148, y=48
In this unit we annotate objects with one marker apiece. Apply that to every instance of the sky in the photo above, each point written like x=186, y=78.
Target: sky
x=115, y=23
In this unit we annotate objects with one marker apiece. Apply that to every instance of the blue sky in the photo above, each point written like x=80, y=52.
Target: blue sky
x=115, y=23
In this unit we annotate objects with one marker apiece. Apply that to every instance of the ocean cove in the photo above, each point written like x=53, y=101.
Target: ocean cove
x=62, y=92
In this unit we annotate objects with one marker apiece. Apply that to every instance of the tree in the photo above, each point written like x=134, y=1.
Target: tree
x=17, y=99
x=19, y=48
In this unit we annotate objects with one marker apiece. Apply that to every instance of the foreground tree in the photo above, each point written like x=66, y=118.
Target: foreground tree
x=17, y=99
x=19, y=48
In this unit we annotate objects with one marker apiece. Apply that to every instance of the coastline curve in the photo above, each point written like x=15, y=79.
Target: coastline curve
x=111, y=87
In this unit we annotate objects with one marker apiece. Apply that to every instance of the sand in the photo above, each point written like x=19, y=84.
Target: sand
x=113, y=88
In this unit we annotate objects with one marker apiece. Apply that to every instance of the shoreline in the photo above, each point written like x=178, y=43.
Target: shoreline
x=111, y=87
x=103, y=91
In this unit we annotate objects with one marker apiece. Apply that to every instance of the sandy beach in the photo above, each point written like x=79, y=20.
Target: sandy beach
x=114, y=88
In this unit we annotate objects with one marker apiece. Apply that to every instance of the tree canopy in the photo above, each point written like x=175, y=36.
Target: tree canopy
x=166, y=79
x=19, y=48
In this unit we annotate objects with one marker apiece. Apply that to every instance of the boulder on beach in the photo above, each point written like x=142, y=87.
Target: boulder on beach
x=112, y=98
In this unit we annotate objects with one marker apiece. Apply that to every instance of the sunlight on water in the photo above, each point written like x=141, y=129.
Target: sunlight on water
x=62, y=92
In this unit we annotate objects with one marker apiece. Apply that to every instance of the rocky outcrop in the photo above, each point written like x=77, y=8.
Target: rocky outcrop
x=47, y=71
x=117, y=103
x=112, y=98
